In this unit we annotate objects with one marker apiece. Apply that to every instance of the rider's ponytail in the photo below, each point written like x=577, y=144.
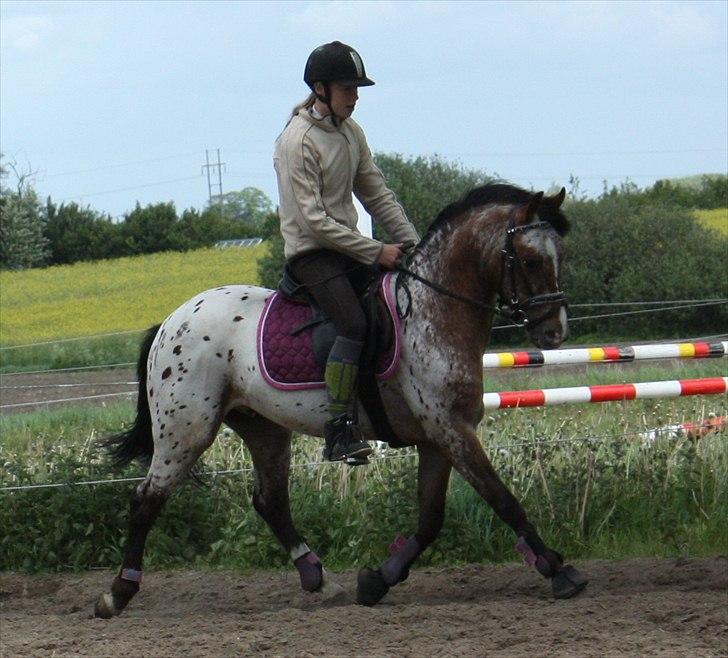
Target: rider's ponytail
x=305, y=105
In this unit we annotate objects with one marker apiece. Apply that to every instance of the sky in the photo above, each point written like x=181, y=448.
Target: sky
x=114, y=103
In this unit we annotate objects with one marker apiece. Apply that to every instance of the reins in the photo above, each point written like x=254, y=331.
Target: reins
x=400, y=284
x=515, y=310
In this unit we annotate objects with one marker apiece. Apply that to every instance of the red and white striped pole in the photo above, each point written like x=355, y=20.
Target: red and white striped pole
x=698, y=350
x=606, y=393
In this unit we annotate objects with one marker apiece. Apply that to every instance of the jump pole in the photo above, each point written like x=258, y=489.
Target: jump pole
x=606, y=393
x=613, y=354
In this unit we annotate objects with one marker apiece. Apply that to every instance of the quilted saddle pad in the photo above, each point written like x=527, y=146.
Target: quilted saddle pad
x=287, y=361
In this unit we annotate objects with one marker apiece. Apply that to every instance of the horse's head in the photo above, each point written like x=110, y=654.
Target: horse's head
x=532, y=260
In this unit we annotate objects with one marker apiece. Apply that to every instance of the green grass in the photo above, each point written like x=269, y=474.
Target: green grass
x=89, y=351
x=593, y=486
x=84, y=302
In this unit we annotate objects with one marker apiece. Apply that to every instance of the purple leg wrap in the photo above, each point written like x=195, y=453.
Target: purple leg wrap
x=311, y=572
x=532, y=560
x=403, y=553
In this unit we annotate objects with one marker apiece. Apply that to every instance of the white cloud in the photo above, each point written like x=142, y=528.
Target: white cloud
x=25, y=33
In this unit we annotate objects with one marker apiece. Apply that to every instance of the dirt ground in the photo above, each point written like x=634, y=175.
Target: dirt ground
x=31, y=392
x=645, y=607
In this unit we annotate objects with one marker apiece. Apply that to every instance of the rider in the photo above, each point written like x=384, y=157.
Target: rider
x=321, y=158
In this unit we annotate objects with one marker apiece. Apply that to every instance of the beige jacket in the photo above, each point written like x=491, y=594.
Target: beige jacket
x=318, y=166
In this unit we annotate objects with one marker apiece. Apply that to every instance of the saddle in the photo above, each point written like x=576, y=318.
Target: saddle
x=379, y=319
x=295, y=338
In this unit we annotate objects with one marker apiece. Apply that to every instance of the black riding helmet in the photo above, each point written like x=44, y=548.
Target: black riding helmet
x=335, y=62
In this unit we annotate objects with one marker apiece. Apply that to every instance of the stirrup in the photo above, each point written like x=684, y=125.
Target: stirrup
x=344, y=442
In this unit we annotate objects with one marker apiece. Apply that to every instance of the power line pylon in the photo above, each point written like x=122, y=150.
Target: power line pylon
x=208, y=168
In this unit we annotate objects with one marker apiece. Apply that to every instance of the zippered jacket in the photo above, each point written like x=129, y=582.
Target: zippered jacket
x=319, y=165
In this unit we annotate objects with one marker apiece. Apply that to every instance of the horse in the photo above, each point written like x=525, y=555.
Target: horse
x=199, y=369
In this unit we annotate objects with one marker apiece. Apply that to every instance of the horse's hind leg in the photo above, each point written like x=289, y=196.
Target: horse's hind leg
x=270, y=448
x=433, y=475
x=167, y=470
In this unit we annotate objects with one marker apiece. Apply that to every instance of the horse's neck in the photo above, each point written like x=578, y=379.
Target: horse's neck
x=466, y=261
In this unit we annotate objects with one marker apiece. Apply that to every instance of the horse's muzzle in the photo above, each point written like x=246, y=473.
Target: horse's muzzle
x=551, y=332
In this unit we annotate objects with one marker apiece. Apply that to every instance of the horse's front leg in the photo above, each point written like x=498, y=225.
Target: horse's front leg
x=432, y=478
x=270, y=448
x=466, y=454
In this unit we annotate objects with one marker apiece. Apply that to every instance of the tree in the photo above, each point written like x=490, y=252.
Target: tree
x=247, y=208
x=622, y=249
x=425, y=185
x=22, y=243
x=151, y=229
x=203, y=229
x=77, y=234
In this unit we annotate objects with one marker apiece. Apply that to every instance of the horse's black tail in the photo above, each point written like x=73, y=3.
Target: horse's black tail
x=136, y=442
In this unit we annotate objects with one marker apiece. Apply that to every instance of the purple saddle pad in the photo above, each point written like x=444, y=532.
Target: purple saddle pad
x=287, y=362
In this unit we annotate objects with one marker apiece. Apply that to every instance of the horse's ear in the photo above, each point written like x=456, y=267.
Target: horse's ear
x=558, y=199
x=531, y=209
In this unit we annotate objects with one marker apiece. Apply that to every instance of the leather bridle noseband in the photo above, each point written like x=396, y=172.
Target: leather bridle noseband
x=514, y=310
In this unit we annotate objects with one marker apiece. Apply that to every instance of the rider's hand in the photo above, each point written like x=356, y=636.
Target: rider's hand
x=390, y=256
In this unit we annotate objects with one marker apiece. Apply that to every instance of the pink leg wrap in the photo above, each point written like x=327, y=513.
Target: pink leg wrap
x=403, y=553
x=311, y=572
x=532, y=560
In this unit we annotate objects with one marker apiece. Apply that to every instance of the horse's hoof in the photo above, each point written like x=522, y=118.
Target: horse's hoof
x=370, y=587
x=332, y=593
x=105, y=608
x=567, y=583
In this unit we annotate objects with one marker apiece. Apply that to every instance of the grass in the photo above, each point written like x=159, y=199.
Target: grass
x=123, y=294
x=716, y=219
x=592, y=484
x=90, y=300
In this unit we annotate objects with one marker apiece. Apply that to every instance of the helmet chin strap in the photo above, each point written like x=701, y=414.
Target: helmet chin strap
x=326, y=99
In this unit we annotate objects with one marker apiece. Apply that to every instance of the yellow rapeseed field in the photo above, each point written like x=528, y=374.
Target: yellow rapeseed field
x=716, y=219
x=115, y=295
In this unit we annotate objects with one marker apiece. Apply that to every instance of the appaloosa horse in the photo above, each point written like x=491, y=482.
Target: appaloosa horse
x=200, y=369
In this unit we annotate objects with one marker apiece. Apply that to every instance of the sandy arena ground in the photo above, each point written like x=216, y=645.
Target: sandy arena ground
x=645, y=607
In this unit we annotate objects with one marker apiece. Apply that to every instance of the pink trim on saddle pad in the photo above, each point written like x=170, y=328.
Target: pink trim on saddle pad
x=287, y=362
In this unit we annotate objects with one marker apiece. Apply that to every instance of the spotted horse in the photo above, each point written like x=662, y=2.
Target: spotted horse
x=499, y=248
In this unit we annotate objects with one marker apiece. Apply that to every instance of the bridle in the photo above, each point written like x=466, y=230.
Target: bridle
x=514, y=309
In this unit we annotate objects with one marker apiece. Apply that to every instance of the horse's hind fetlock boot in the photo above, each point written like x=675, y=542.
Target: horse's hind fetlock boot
x=344, y=442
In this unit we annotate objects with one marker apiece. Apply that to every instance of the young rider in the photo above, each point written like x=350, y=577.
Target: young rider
x=321, y=158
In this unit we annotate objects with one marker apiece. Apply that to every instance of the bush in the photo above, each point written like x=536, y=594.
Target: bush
x=621, y=249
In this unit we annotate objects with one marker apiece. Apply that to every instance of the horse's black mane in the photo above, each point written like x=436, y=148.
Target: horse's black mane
x=498, y=193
